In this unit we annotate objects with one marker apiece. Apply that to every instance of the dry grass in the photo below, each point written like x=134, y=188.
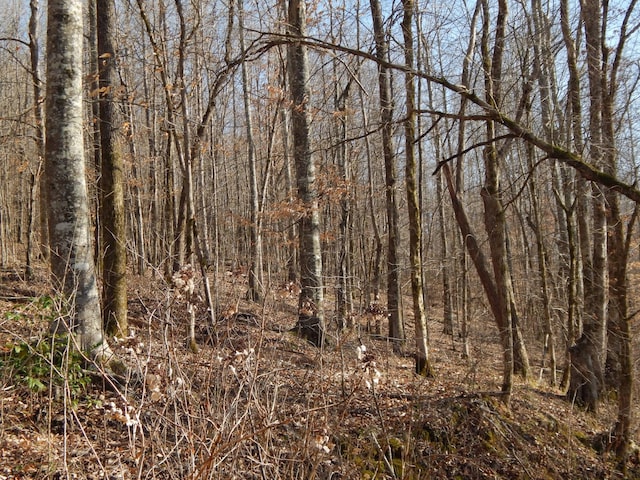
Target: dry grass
x=258, y=402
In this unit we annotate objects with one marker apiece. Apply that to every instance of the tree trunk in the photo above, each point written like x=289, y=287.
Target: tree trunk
x=423, y=365
x=111, y=185
x=36, y=192
x=396, y=326
x=372, y=288
x=586, y=381
x=255, y=273
x=136, y=191
x=447, y=307
x=463, y=286
x=172, y=238
x=494, y=214
x=94, y=131
x=578, y=230
x=540, y=72
x=481, y=265
x=186, y=216
x=150, y=125
x=549, y=337
x=292, y=252
x=311, y=316
x=69, y=229
x=344, y=300
x=589, y=350
x=572, y=322
x=619, y=364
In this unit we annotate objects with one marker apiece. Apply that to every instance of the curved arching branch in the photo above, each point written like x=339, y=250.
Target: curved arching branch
x=553, y=151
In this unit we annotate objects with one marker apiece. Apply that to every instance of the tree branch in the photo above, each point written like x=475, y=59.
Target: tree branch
x=11, y=39
x=472, y=147
x=553, y=151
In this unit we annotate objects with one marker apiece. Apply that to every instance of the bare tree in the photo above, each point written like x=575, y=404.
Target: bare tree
x=256, y=280
x=491, y=193
x=619, y=363
x=588, y=354
x=396, y=326
x=541, y=73
x=578, y=229
x=38, y=114
x=70, y=240
x=423, y=366
x=344, y=294
x=311, y=316
x=111, y=185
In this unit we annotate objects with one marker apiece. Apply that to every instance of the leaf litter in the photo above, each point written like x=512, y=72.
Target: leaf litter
x=259, y=402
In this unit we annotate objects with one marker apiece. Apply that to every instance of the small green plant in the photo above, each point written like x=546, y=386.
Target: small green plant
x=51, y=361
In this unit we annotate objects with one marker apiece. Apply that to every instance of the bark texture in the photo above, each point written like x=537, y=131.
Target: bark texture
x=423, y=365
x=396, y=327
x=71, y=251
x=256, y=277
x=311, y=317
x=112, y=211
x=494, y=214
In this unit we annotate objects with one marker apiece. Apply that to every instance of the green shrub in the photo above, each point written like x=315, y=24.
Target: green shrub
x=49, y=362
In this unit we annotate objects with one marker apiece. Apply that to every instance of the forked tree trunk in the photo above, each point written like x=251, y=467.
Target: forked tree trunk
x=494, y=214
x=589, y=350
x=482, y=268
x=71, y=251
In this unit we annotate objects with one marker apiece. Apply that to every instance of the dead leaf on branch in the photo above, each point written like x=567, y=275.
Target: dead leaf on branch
x=183, y=281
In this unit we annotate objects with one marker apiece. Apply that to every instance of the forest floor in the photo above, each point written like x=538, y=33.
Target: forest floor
x=258, y=402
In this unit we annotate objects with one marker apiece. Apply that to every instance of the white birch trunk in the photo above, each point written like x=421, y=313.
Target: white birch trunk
x=70, y=241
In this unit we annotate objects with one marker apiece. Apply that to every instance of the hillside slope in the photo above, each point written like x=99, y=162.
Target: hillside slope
x=258, y=402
